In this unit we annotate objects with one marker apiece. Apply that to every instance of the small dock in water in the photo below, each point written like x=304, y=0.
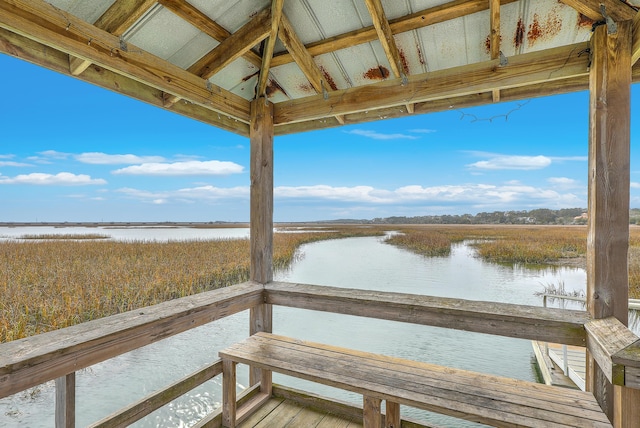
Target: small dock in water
x=551, y=359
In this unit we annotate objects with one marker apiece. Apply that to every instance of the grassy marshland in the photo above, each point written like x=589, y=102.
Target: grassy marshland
x=50, y=284
x=563, y=245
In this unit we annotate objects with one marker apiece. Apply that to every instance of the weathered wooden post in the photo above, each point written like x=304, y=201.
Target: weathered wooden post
x=66, y=401
x=608, y=230
x=261, y=136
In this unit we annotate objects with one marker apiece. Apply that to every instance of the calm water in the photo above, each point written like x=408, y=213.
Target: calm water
x=362, y=263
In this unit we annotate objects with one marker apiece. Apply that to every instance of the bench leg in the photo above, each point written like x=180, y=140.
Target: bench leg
x=228, y=393
x=392, y=418
x=372, y=417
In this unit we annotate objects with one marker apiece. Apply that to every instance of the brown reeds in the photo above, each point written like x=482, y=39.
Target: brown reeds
x=50, y=284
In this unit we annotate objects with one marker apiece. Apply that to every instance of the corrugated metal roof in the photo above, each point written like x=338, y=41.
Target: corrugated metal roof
x=525, y=26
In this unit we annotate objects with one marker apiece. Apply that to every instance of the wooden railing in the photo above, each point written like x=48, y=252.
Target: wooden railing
x=59, y=354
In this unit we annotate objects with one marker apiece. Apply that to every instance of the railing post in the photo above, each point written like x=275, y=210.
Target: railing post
x=608, y=227
x=261, y=136
x=66, y=401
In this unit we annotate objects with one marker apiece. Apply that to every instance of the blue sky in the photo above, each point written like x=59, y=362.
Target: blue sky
x=73, y=152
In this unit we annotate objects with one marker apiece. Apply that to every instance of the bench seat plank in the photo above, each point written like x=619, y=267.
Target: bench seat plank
x=472, y=396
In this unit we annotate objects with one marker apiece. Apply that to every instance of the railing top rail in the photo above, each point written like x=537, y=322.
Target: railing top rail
x=37, y=359
x=504, y=319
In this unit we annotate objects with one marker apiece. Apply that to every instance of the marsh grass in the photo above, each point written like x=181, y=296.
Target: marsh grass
x=51, y=284
x=425, y=242
x=67, y=236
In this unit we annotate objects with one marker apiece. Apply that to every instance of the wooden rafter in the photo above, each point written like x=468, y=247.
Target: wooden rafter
x=522, y=70
x=267, y=54
x=29, y=50
x=635, y=39
x=116, y=20
x=618, y=10
x=448, y=11
x=195, y=17
x=385, y=36
x=388, y=42
x=62, y=31
x=494, y=13
x=230, y=49
x=301, y=56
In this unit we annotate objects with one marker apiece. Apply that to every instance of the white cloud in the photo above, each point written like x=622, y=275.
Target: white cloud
x=60, y=179
x=500, y=162
x=98, y=158
x=12, y=163
x=422, y=131
x=569, y=158
x=193, y=194
x=188, y=168
x=54, y=154
x=448, y=194
x=380, y=136
x=357, y=193
x=564, y=182
x=635, y=185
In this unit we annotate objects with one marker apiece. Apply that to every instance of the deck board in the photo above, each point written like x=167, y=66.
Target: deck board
x=278, y=412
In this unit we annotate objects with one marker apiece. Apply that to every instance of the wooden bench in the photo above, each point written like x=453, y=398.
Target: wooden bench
x=463, y=394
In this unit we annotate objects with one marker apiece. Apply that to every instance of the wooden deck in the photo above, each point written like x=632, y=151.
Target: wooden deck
x=279, y=412
x=550, y=358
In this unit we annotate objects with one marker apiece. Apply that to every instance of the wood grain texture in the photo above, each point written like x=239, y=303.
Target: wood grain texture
x=522, y=70
x=434, y=15
x=37, y=359
x=608, y=226
x=605, y=338
x=47, y=25
x=472, y=396
x=65, y=413
x=261, y=234
x=526, y=322
x=618, y=10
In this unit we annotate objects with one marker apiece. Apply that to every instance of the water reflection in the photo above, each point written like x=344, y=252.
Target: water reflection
x=361, y=263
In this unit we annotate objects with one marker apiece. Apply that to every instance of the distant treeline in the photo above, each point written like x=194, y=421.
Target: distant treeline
x=537, y=216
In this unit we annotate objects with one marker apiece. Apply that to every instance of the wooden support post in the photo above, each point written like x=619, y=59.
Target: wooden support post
x=66, y=401
x=392, y=416
x=372, y=416
x=228, y=393
x=608, y=231
x=261, y=135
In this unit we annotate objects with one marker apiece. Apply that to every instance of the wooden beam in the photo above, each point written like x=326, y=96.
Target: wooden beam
x=65, y=414
x=230, y=49
x=618, y=10
x=50, y=26
x=267, y=54
x=504, y=319
x=494, y=37
x=303, y=59
x=635, y=47
x=385, y=36
x=300, y=55
x=608, y=226
x=261, y=136
x=44, y=56
x=38, y=359
x=198, y=19
x=121, y=15
x=522, y=70
x=233, y=47
x=434, y=15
